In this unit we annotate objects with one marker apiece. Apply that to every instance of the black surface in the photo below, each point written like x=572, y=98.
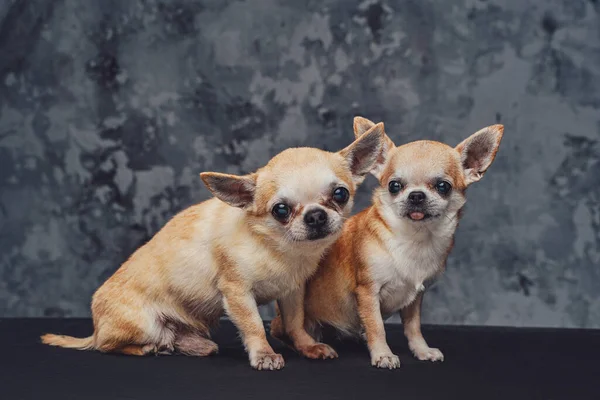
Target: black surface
x=481, y=363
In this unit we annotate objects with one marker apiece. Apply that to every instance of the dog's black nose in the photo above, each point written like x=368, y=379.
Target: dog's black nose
x=315, y=218
x=416, y=197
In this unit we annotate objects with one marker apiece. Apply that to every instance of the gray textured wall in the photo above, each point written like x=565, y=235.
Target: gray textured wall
x=110, y=109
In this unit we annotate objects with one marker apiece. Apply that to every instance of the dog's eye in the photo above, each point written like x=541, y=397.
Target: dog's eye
x=281, y=211
x=341, y=195
x=394, y=187
x=443, y=187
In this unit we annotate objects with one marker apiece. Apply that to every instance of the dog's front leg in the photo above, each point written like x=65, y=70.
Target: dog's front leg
x=369, y=311
x=291, y=308
x=411, y=319
x=241, y=307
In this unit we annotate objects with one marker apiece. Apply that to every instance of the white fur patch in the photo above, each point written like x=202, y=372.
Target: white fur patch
x=413, y=255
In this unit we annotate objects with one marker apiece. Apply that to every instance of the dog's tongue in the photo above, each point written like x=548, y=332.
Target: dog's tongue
x=417, y=216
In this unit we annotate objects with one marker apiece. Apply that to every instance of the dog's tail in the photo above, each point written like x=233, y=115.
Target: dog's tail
x=276, y=326
x=68, y=342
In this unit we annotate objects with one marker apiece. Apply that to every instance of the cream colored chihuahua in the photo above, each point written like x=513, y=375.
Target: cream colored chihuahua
x=389, y=253
x=260, y=239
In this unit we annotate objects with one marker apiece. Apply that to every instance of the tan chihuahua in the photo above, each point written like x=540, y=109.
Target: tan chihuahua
x=260, y=239
x=389, y=253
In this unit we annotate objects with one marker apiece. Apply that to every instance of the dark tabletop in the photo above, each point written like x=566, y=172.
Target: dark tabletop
x=481, y=363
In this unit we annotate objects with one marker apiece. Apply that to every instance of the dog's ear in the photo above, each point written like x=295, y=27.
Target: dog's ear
x=237, y=191
x=478, y=151
x=362, y=125
x=362, y=154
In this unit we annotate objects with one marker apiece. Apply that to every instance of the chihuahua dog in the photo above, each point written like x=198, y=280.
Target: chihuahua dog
x=258, y=240
x=389, y=253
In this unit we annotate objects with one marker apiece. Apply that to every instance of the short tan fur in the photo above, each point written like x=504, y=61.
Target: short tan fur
x=388, y=254
x=230, y=254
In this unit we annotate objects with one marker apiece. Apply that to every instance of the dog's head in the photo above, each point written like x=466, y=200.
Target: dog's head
x=425, y=181
x=302, y=196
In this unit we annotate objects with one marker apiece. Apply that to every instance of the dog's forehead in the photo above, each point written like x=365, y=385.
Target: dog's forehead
x=302, y=174
x=306, y=185
x=424, y=160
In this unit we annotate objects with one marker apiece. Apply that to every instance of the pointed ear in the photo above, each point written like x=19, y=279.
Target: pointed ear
x=361, y=125
x=237, y=191
x=362, y=154
x=478, y=151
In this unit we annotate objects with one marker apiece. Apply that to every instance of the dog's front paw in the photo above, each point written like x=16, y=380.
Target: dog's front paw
x=267, y=361
x=387, y=360
x=318, y=351
x=425, y=353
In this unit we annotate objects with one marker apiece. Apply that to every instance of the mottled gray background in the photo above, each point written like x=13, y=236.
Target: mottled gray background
x=110, y=109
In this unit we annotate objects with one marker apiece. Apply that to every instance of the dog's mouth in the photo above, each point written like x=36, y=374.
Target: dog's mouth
x=417, y=216
x=318, y=234
x=313, y=237
x=420, y=216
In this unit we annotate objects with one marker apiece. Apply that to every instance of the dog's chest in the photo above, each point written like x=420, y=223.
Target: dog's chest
x=271, y=289
x=280, y=280
x=403, y=269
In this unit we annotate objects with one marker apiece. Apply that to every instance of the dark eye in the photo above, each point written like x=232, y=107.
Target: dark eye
x=281, y=211
x=341, y=195
x=394, y=187
x=443, y=187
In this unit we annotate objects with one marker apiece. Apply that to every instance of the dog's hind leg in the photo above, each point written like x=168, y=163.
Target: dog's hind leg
x=195, y=344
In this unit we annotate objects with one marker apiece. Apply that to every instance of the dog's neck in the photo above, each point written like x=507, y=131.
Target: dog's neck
x=435, y=230
x=294, y=251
